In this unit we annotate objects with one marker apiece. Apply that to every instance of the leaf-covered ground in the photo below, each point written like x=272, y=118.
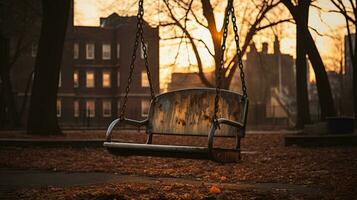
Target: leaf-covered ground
x=332, y=169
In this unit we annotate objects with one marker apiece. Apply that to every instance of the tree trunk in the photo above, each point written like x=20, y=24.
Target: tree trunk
x=42, y=114
x=303, y=114
x=9, y=115
x=25, y=99
x=354, y=62
x=353, y=56
x=355, y=88
x=322, y=83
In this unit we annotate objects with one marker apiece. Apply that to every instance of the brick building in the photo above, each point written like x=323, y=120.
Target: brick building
x=187, y=80
x=94, y=72
x=271, y=84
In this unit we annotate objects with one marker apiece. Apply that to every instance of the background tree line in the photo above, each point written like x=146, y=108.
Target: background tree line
x=255, y=16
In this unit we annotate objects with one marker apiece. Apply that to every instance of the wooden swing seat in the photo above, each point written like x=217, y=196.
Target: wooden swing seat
x=188, y=112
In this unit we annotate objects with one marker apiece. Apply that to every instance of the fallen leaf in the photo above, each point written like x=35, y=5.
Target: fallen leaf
x=214, y=190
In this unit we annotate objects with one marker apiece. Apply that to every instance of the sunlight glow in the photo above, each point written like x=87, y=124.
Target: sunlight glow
x=88, y=12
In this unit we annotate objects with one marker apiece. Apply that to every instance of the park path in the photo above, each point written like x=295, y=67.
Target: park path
x=15, y=179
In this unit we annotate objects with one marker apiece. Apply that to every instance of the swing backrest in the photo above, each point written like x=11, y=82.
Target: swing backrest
x=189, y=112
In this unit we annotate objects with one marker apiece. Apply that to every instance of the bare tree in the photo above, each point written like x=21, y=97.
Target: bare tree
x=19, y=19
x=181, y=13
x=335, y=61
x=42, y=115
x=349, y=11
x=307, y=46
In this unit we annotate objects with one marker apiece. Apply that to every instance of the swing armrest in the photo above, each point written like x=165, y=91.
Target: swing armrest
x=214, y=128
x=132, y=122
x=230, y=122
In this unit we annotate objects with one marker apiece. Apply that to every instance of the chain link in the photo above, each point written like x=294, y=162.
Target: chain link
x=239, y=54
x=219, y=73
x=144, y=48
x=139, y=33
x=229, y=11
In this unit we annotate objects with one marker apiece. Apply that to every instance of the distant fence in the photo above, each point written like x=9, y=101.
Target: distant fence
x=258, y=114
x=262, y=114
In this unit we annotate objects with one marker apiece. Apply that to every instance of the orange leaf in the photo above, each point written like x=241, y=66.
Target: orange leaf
x=214, y=190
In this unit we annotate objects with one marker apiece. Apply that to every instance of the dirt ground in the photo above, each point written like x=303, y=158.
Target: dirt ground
x=333, y=170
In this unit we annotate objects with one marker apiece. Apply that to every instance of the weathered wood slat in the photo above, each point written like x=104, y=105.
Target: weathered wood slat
x=190, y=112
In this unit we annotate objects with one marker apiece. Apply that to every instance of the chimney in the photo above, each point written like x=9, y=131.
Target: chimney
x=276, y=45
x=265, y=48
x=252, y=47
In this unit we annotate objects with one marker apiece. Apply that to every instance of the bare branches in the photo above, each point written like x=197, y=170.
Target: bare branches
x=197, y=20
x=193, y=44
x=274, y=24
x=167, y=24
x=316, y=31
x=350, y=14
x=206, y=46
x=181, y=14
x=341, y=8
x=254, y=28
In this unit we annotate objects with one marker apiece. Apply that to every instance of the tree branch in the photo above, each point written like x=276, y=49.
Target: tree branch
x=193, y=45
x=207, y=48
x=273, y=24
x=250, y=34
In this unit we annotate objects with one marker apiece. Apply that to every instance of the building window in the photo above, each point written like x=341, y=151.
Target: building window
x=75, y=79
x=107, y=108
x=144, y=79
x=90, y=108
x=142, y=52
x=118, y=50
x=75, y=51
x=34, y=50
x=106, y=52
x=60, y=79
x=90, y=79
x=90, y=51
x=118, y=79
x=76, y=108
x=145, y=104
x=59, y=108
x=106, y=79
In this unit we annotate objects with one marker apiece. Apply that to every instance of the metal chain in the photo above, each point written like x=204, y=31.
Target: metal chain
x=133, y=58
x=144, y=48
x=229, y=11
x=239, y=54
x=219, y=73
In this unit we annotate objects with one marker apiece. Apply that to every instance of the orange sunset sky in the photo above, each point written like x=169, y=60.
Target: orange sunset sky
x=88, y=12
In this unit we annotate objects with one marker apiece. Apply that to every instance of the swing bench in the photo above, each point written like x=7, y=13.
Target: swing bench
x=187, y=112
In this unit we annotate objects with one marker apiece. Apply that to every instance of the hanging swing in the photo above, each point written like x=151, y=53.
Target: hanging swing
x=188, y=112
